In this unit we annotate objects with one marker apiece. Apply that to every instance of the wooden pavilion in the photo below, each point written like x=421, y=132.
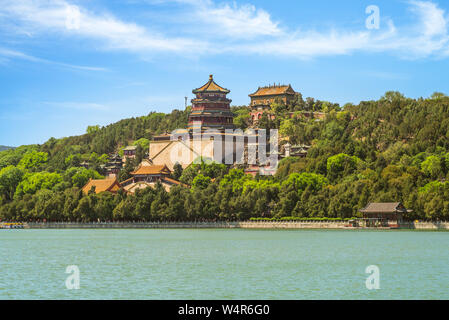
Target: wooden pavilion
x=383, y=214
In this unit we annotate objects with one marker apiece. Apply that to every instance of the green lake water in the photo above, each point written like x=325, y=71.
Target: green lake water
x=223, y=264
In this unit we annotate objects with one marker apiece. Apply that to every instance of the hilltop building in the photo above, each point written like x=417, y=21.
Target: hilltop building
x=210, y=107
x=129, y=152
x=298, y=150
x=265, y=96
x=211, y=110
x=114, y=165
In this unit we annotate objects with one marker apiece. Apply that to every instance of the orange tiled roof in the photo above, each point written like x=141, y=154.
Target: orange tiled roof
x=156, y=169
x=273, y=90
x=175, y=182
x=211, y=86
x=100, y=185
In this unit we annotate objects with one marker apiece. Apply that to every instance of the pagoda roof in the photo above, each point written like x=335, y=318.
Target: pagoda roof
x=211, y=86
x=273, y=90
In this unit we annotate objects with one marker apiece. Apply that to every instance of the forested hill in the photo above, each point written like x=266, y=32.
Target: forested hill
x=392, y=149
x=99, y=140
x=2, y=148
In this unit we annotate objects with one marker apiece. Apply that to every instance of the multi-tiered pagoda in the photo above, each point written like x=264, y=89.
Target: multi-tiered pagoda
x=210, y=108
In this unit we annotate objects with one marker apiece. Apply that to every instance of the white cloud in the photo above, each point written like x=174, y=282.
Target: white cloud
x=231, y=28
x=310, y=44
x=78, y=105
x=54, y=16
x=224, y=19
x=428, y=37
x=5, y=54
x=433, y=22
x=237, y=21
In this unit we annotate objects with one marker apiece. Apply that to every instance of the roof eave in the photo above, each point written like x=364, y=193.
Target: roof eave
x=212, y=91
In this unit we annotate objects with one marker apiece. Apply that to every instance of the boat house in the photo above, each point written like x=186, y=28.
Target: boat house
x=383, y=213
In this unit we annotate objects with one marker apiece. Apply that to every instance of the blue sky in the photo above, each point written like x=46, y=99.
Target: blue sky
x=67, y=64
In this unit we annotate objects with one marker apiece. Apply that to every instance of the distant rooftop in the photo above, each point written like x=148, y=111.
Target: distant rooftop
x=273, y=90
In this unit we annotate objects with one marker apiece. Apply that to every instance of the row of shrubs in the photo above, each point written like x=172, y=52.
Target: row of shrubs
x=302, y=219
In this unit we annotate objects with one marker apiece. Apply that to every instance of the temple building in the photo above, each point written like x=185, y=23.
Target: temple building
x=129, y=152
x=147, y=175
x=102, y=185
x=114, y=165
x=298, y=150
x=265, y=96
x=211, y=108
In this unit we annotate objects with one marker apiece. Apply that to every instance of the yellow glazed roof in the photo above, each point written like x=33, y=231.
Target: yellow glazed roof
x=211, y=86
x=273, y=90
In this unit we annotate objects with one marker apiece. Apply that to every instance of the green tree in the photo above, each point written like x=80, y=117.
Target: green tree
x=49, y=205
x=82, y=176
x=10, y=177
x=301, y=181
x=287, y=127
x=236, y=178
x=200, y=182
x=92, y=129
x=85, y=211
x=33, y=160
x=143, y=143
x=105, y=205
x=33, y=182
x=177, y=171
x=432, y=167
x=242, y=117
x=341, y=165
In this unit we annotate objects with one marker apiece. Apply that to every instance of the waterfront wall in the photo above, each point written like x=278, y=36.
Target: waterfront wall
x=131, y=225
x=436, y=225
x=226, y=225
x=292, y=224
x=190, y=225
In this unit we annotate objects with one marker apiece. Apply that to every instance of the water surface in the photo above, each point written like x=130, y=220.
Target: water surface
x=223, y=264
